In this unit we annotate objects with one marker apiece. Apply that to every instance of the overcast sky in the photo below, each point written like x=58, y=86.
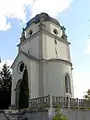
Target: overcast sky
x=73, y=14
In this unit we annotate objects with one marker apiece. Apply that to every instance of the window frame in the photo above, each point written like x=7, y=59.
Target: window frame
x=67, y=84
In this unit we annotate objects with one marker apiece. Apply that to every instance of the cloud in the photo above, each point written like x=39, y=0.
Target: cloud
x=12, y=9
x=52, y=7
x=81, y=81
x=16, y=9
x=87, y=50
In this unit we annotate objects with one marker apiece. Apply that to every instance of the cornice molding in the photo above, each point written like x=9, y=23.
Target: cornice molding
x=45, y=32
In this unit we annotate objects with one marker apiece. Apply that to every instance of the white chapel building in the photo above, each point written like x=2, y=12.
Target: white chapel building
x=44, y=51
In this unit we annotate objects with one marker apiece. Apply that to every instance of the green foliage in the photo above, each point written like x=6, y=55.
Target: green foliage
x=24, y=92
x=5, y=75
x=5, y=86
x=59, y=115
x=87, y=96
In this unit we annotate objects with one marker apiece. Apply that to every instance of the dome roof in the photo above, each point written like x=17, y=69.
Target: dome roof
x=42, y=17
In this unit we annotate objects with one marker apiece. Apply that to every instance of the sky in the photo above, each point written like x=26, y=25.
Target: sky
x=73, y=14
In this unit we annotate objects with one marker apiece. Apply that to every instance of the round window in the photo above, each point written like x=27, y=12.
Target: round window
x=30, y=32
x=55, y=31
x=21, y=67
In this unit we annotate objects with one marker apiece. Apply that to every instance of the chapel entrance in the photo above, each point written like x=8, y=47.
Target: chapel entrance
x=22, y=94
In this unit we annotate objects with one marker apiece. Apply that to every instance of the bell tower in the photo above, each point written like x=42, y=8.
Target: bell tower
x=45, y=38
x=44, y=51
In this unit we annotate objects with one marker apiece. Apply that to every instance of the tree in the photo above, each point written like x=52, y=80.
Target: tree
x=24, y=92
x=5, y=86
x=87, y=95
x=59, y=115
x=5, y=77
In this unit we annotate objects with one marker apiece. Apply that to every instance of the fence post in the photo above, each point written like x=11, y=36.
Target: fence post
x=68, y=99
x=29, y=103
x=78, y=103
x=50, y=100
x=63, y=106
x=51, y=111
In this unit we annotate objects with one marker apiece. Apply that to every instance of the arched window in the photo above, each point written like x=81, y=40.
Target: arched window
x=67, y=84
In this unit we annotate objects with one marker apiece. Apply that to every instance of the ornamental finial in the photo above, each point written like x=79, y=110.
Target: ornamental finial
x=23, y=35
x=64, y=36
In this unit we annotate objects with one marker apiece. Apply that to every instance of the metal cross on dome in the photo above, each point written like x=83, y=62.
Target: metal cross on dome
x=23, y=32
x=63, y=28
x=63, y=31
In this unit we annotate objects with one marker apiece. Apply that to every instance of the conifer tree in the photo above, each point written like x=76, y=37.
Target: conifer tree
x=87, y=95
x=5, y=86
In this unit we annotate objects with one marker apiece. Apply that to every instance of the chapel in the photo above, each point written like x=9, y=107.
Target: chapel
x=43, y=64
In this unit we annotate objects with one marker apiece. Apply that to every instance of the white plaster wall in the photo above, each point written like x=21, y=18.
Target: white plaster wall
x=44, y=44
x=68, y=52
x=61, y=47
x=16, y=76
x=54, y=26
x=46, y=115
x=47, y=25
x=77, y=114
x=12, y=91
x=45, y=77
x=71, y=115
x=34, y=27
x=63, y=51
x=34, y=79
x=72, y=85
x=50, y=48
x=56, y=71
x=33, y=46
